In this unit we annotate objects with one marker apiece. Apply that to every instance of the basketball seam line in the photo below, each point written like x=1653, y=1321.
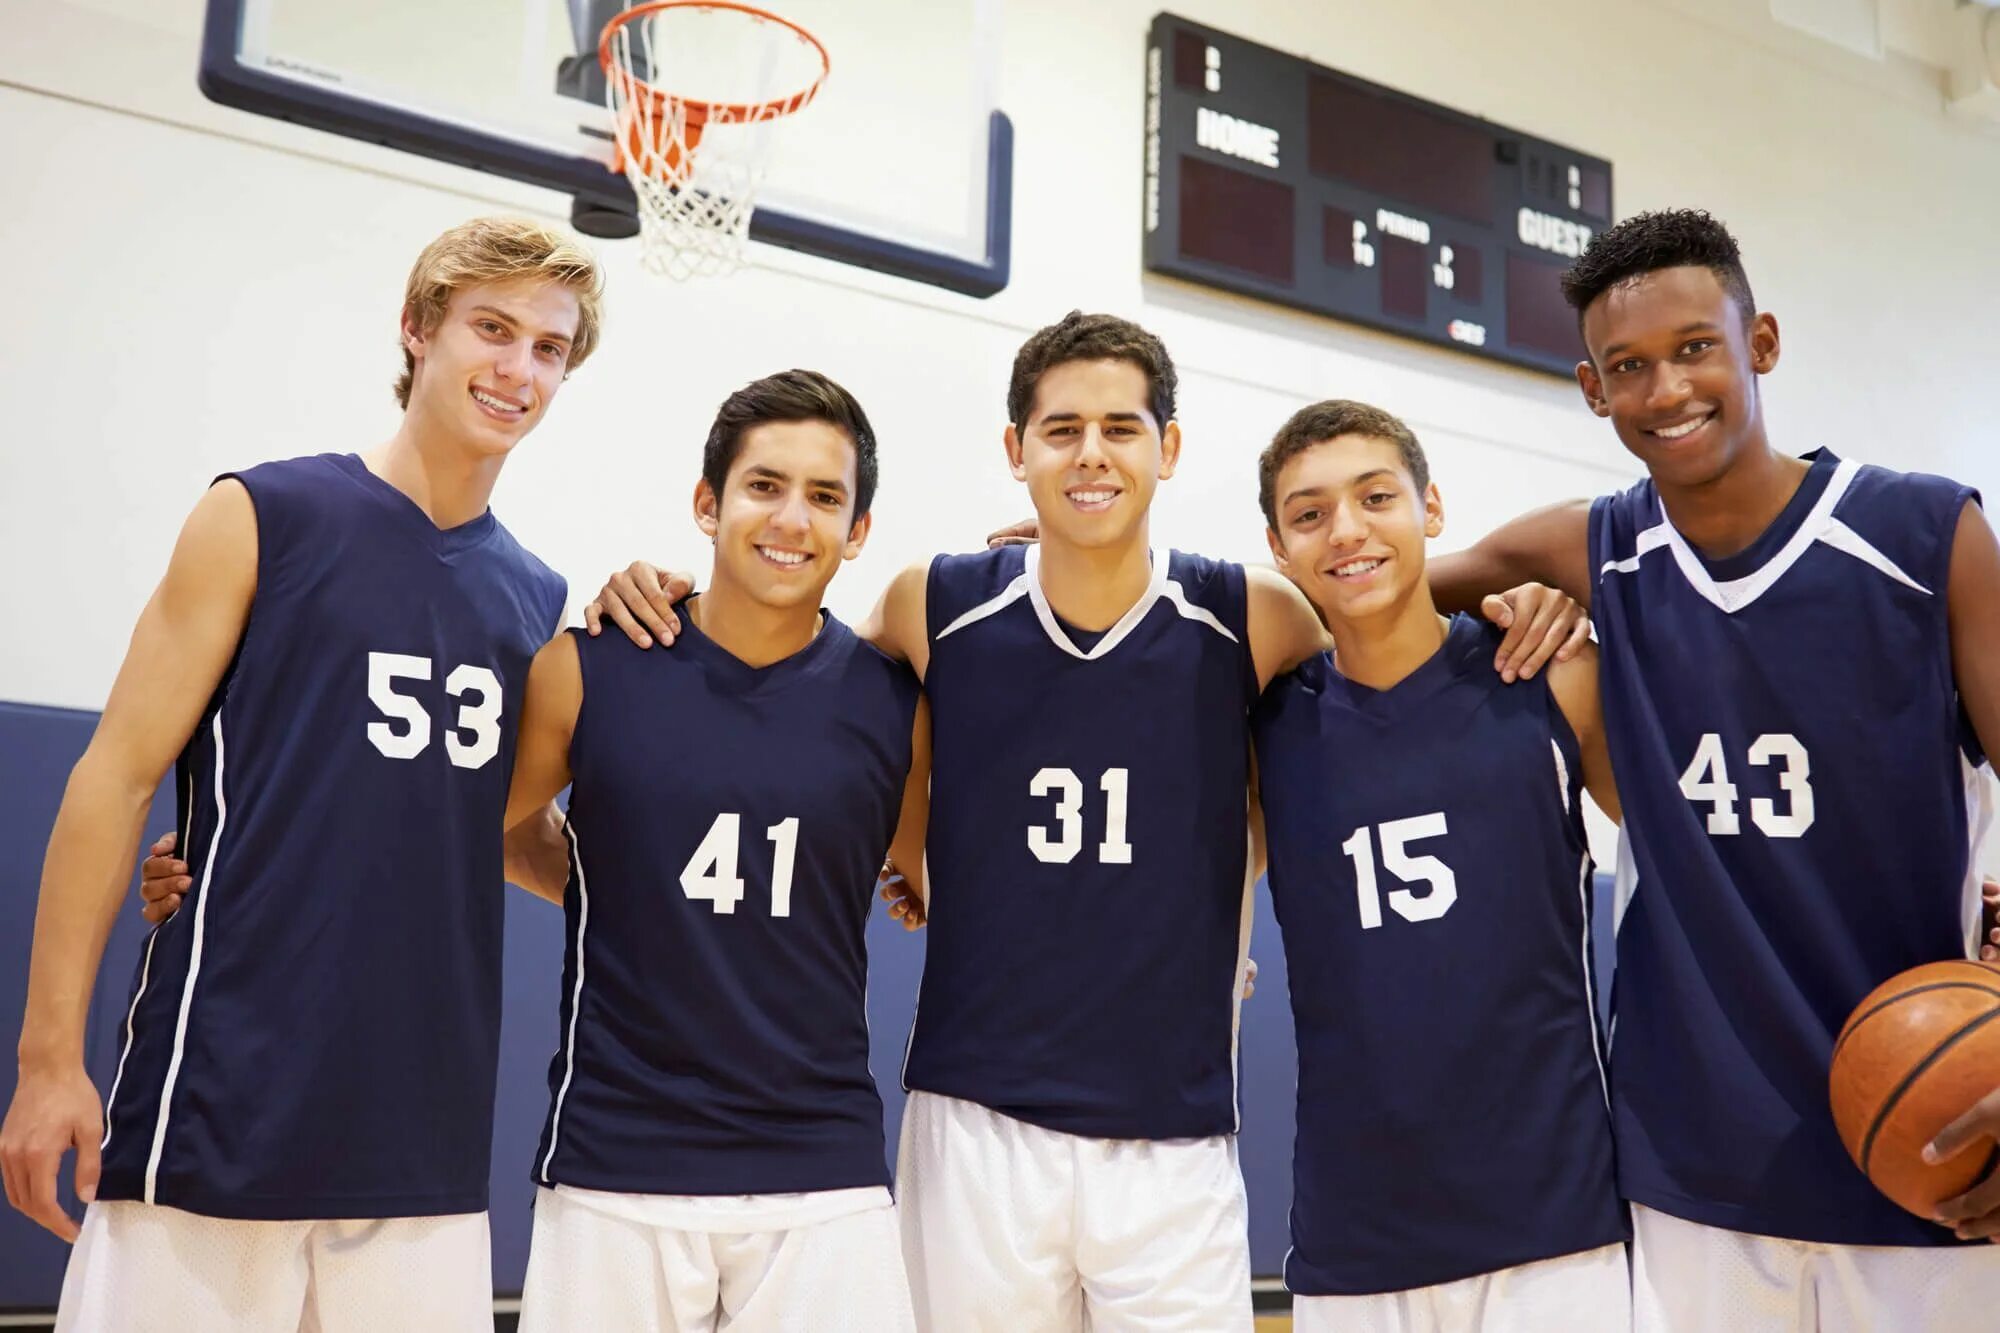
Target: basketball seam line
x=1854, y=1024
x=1896, y=1093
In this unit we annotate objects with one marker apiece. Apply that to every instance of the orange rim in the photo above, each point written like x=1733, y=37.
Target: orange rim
x=698, y=112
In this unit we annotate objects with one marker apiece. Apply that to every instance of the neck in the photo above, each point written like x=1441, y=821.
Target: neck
x=449, y=482
x=1381, y=649
x=1723, y=515
x=748, y=630
x=1091, y=587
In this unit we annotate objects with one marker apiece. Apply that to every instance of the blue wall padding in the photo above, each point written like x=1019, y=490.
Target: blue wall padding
x=37, y=748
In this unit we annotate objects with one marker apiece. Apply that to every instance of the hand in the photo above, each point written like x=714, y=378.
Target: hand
x=1989, y=947
x=904, y=903
x=1249, y=977
x=1975, y=1214
x=1541, y=622
x=162, y=880
x=640, y=598
x=52, y=1113
x=1025, y=533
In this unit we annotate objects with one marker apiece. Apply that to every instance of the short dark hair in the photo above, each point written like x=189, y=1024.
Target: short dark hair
x=1648, y=242
x=1081, y=337
x=1325, y=421
x=791, y=395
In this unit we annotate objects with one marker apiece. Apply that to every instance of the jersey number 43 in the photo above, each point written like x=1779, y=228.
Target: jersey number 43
x=1707, y=782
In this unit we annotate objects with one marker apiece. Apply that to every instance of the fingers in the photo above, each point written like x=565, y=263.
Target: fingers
x=164, y=846
x=622, y=601
x=1979, y=1122
x=1015, y=534
x=1515, y=641
x=1546, y=630
x=1579, y=635
x=1975, y=1214
x=158, y=912
x=88, y=1163
x=35, y=1183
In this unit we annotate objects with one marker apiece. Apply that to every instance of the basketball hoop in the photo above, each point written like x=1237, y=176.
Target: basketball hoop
x=696, y=157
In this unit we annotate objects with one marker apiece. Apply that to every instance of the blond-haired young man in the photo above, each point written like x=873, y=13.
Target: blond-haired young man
x=299, y=1128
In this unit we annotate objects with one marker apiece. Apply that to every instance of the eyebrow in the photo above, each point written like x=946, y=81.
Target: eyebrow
x=1078, y=416
x=772, y=474
x=1310, y=492
x=1699, y=326
x=513, y=323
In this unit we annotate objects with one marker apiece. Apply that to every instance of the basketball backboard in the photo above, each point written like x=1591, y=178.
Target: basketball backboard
x=902, y=164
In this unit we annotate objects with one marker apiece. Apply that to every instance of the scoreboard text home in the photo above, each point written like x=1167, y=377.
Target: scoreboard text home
x=1270, y=176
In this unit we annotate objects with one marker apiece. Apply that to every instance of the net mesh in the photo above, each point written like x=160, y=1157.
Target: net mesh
x=695, y=90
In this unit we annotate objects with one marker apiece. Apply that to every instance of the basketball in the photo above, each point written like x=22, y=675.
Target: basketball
x=1914, y=1056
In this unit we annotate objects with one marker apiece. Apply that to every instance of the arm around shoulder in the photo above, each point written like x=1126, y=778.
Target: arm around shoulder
x=549, y=710
x=1285, y=630
x=897, y=625
x=1549, y=545
x=1575, y=686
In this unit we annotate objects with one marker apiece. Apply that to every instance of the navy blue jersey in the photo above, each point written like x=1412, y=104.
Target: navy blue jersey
x=726, y=827
x=1799, y=790
x=1429, y=870
x=1087, y=851
x=315, y=1033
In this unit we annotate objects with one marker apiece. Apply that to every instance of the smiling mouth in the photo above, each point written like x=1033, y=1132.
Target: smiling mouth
x=494, y=405
x=784, y=559
x=1359, y=569
x=1680, y=430
x=1092, y=498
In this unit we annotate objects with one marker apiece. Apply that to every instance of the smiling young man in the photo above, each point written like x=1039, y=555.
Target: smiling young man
x=713, y=1150
x=299, y=1129
x=1801, y=659
x=1453, y=1171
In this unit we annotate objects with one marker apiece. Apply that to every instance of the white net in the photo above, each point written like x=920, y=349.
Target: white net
x=695, y=89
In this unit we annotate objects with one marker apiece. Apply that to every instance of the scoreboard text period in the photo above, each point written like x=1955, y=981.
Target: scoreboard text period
x=1270, y=176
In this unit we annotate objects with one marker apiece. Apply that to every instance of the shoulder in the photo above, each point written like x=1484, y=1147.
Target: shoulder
x=551, y=587
x=976, y=572
x=1574, y=685
x=1873, y=485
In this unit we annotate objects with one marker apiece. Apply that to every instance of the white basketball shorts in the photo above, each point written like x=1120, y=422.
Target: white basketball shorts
x=825, y=1262
x=1586, y=1292
x=1687, y=1276
x=140, y=1267
x=1012, y=1228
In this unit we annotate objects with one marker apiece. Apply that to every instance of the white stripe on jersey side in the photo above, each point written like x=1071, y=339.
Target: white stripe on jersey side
x=1590, y=978
x=575, y=999
x=1624, y=887
x=1247, y=916
x=1174, y=593
x=1819, y=526
x=111, y=1098
x=1012, y=593
x=1978, y=821
x=1562, y=775
x=194, y=969
x=910, y=1038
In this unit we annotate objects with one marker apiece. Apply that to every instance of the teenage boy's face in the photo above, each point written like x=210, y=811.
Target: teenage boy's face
x=784, y=521
x=489, y=370
x=1674, y=365
x=1091, y=452
x=1352, y=525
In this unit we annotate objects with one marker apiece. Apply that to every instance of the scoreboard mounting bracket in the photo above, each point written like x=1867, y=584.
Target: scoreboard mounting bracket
x=1269, y=176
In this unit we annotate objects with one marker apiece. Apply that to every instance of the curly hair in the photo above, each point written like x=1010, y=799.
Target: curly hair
x=1081, y=337
x=1647, y=242
x=1325, y=421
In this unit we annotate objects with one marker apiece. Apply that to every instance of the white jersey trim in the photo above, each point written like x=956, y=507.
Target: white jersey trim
x=1819, y=526
x=1562, y=776
x=1009, y=595
x=575, y=1000
x=1247, y=916
x=1978, y=780
x=1590, y=979
x=194, y=971
x=111, y=1098
x=1113, y=636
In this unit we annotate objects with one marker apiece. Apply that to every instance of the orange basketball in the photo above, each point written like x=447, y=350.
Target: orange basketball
x=1914, y=1056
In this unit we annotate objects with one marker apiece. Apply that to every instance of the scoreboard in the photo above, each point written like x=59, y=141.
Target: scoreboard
x=1270, y=176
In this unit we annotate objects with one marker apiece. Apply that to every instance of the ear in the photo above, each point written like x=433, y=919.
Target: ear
x=1278, y=556
x=1592, y=384
x=1014, y=463
x=1433, y=511
x=1170, y=449
x=707, y=509
x=414, y=337
x=857, y=536
x=1764, y=343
